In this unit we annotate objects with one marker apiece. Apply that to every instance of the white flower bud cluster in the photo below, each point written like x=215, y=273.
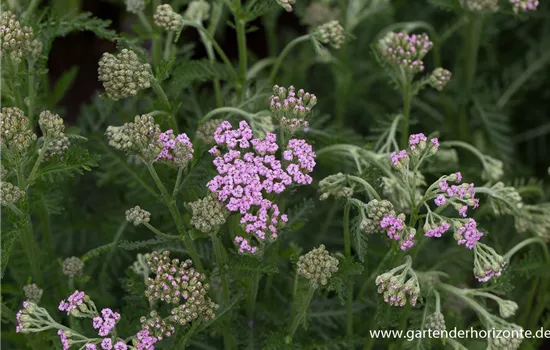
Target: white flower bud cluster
x=165, y=17
x=286, y=4
x=197, y=11
x=123, y=75
x=15, y=129
x=439, y=78
x=493, y=169
x=436, y=322
x=72, y=267
x=510, y=338
x=135, y=6
x=53, y=129
x=317, y=266
x=205, y=132
x=17, y=40
x=318, y=13
x=507, y=308
x=335, y=185
x=140, y=137
x=209, y=214
x=331, y=33
x=137, y=216
x=480, y=5
x=9, y=193
x=33, y=293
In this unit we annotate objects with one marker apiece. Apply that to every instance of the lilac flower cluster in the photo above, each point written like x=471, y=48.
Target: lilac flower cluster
x=406, y=50
x=175, y=149
x=293, y=124
x=156, y=326
x=245, y=176
x=287, y=103
x=20, y=325
x=524, y=5
x=64, y=340
x=466, y=233
x=460, y=196
x=487, y=263
x=145, y=341
x=106, y=322
x=437, y=231
x=72, y=302
x=417, y=145
x=397, y=288
x=107, y=344
x=397, y=230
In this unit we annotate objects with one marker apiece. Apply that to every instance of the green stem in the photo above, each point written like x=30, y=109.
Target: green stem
x=283, y=54
x=298, y=319
x=145, y=22
x=168, y=107
x=220, y=261
x=374, y=274
x=347, y=250
x=32, y=7
x=157, y=45
x=171, y=204
x=177, y=184
x=525, y=243
x=222, y=110
x=168, y=45
x=215, y=16
x=241, y=42
x=32, y=174
x=159, y=233
x=406, y=115
x=30, y=87
x=27, y=240
x=252, y=296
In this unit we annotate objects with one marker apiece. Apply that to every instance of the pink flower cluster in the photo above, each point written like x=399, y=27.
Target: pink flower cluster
x=396, y=230
x=438, y=230
x=244, y=245
x=72, y=302
x=489, y=274
x=468, y=234
x=407, y=50
x=146, y=341
x=64, y=340
x=169, y=143
x=463, y=193
x=415, y=139
x=107, y=344
x=285, y=100
x=245, y=175
x=525, y=5
x=397, y=156
x=417, y=143
x=19, y=326
x=107, y=322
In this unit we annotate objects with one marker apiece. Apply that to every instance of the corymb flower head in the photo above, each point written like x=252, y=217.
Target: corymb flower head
x=135, y=6
x=439, y=78
x=209, y=214
x=399, y=285
x=511, y=335
x=140, y=137
x=17, y=40
x=318, y=13
x=436, y=322
x=291, y=107
x=33, y=293
x=317, y=266
x=524, y=5
x=15, y=129
x=480, y=5
x=487, y=263
x=123, y=75
x=176, y=150
x=286, y=4
x=56, y=142
x=72, y=267
x=331, y=33
x=165, y=17
x=406, y=51
x=137, y=216
x=10, y=194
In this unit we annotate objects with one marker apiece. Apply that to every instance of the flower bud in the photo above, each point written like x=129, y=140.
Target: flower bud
x=123, y=75
x=165, y=17
x=15, y=129
x=33, y=293
x=197, y=11
x=10, y=194
x=331, y=33
x=317, y=266
x=436, y=322
x=206, y=131
x=72, y=267
x=16, y=40
x=137, y=215
x=439, y=78
x=286, y=4
x=135, y=6
x=507, y=308
x=209, y=214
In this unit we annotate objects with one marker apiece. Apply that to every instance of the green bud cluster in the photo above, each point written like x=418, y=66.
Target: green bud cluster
x=10, y=194
x=135, y=6
x=318, y=13
x=205, y=132
x=436, y=322
x=139, y=137
x=439, y=78
x=33, y=293
x=209, y=214
x=487, y=262
x=137, y=216
x=493, y=169
x=123, y=75
x=534, y=218
x=177, y=283
x=15, y=129
x=480, y=5
x=17, y=41
x=399, y=285
x=72, y=267
x=376, y=210
x=197, y=11
x=331, y=33
x=287, y=103
x=157, y=326
x=165, y=17
x=512, y=342
x=509, y=200
x=335, y=185
x=317, y=266
x=53, y=129
x=507, y=308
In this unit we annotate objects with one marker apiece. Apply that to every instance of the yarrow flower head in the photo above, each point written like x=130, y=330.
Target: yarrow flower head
x=206, y=131
x=439, y=78
x=331, y=33
x=376, y=211
x=286, y=4
x=73, y=302
x=487, y=263
x=140, y=137
x=17, y=41
x=33, y=293
x=64, y=340
x=460, y=196
x=135, y=6
x=335, y=185
x=397, y=230
x=15, y=129
x=406, y=51
x=176, y=150
x=56, y=142
x=106, y=322
x=72, y=267
x=123, y=75
x=137, y=216
x=209, y=214
x=467, y=234
x=24, y=317
x=198, y=11
x=317, y=266
x=177, y=283
x=399, y=285
x=145, y=341
x=436, y=322
x=511, y=335
x=165, y=17
x=249, y=169
x=10, y=194
x=290, y=105
x=524, y=5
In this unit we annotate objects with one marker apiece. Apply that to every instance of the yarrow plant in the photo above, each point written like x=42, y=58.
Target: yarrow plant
x=299, y=194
